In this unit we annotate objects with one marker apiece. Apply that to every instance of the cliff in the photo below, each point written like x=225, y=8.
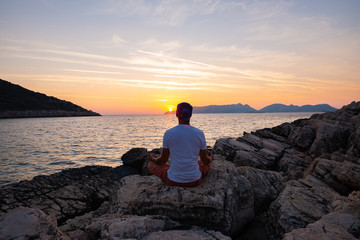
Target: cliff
x=16, y=102
x=295, y=181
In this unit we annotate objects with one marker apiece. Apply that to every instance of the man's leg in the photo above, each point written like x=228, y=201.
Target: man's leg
x=159, y=170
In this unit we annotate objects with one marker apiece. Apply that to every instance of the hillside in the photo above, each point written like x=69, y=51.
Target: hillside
x=293, y=108
x=232, y=108
x=16, y=101
x=273, y=108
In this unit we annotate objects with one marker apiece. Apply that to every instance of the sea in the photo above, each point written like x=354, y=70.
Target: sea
x=42, y=146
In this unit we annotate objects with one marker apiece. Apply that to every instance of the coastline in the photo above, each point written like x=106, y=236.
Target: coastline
x=45, y=113
x=296, y=178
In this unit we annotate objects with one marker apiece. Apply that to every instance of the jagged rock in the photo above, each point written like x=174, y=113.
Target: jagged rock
x=354, y=142
x=344, y=177
x=300, y=203
x=330, y=137
x=29, y=223
x=67, y=194
x=127, y=226
x=223, y=201
x=227, y=147
x=135, y=158
x=194, y=233
x=250, y=150
x=266, y=186
x=343, y=223
x=319, y=230
x=305, y=138
x=80, y=222
x=293, y=163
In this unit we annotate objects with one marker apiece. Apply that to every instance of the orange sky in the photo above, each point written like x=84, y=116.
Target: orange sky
x=144, y=56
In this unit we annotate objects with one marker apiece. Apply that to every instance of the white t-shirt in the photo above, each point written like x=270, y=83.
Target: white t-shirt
x=184, y=143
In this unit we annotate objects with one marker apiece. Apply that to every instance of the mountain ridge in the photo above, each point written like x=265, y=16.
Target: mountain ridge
x=19, y=102
x=272, y=108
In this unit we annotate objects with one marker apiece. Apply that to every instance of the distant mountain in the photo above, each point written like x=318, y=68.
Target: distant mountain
x=293, y=108
x=232, y=108
x=16, y=101
x=239, y=108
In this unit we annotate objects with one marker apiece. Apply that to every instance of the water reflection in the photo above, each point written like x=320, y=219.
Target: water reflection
x=34, y=146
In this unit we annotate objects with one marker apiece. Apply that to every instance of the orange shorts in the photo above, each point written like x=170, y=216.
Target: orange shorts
x=161, y=172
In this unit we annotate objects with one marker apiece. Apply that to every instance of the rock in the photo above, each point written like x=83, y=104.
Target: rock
x=223, y=201
x=226, y=147
x=135, y=158
x=29, y=223
x=300, y=203
x=266, y=186
x=319, y=230
x=256, y=229
x=343, y=223
x=330, y=137
x=195, y=233
x=67, y=194
x=293, y=163
x=305, y=137
x=344, y=177
x=354, y=142
x=262, y=160
x=127, y=226
x=81, y=221
x=250, y=150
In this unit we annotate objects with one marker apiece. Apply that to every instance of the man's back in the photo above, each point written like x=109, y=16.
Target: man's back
x=184, y=143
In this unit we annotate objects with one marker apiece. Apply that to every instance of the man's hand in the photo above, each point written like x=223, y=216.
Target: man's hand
x=164, y=157
x=152, y=158
x=205, y=157
x=211, y=156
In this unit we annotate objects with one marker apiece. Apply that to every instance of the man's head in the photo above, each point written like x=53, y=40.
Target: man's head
x=184, y=111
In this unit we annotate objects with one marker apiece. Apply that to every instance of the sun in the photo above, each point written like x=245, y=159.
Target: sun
x=170, y=108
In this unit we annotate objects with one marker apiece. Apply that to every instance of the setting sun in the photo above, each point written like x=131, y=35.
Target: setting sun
x=170, y=108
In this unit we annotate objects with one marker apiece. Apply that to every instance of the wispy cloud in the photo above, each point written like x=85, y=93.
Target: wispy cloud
x=177, y=59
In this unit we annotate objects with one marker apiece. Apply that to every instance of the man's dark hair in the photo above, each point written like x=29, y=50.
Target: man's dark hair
x=184, y=111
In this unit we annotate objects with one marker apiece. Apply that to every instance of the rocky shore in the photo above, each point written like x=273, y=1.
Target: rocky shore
x=296, y=181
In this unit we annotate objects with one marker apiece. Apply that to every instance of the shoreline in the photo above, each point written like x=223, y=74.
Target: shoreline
x=285, y=182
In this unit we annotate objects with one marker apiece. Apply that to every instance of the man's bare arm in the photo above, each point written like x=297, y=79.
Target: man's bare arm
x=205, y=157
x=164, y=157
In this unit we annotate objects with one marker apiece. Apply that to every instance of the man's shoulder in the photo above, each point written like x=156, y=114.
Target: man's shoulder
x=196, y=129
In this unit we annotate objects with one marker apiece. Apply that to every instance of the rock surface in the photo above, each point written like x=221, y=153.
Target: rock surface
x=223, y=201
x=298, y=180
x=29, y=223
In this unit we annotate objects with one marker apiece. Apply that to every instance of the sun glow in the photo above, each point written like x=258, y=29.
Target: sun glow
x=170, y=108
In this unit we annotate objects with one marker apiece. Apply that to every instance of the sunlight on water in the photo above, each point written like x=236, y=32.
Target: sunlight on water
x=34, y=146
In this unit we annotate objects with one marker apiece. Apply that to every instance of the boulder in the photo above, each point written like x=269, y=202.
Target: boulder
x=194, y=233
x=266, y=186
x=305, y=137
x=300, y=203
x=67, y=194
x=330, y=137
x=319, y=230
x=344, y=177
x=127, y=226
x=29, y=223
x=222, y=202
x=251, y=150
x=293, y=163
x=135, y=158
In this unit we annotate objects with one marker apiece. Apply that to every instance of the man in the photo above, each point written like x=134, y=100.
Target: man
x=182, y=144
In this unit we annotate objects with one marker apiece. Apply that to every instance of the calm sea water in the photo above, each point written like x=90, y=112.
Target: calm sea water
x=37, y=146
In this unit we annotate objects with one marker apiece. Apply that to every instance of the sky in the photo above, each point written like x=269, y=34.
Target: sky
x=144, y=57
